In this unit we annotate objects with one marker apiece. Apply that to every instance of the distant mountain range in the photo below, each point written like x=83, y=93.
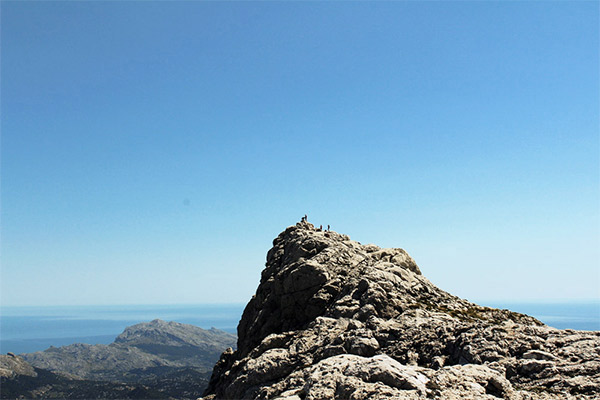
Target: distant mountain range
x=155, y=359
x=331, y=319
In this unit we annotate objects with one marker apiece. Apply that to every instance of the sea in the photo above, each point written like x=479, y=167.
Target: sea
x=29, y=329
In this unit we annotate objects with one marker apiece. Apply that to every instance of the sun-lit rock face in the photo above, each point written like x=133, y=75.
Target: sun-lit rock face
x=12, y=365
x=333, y=318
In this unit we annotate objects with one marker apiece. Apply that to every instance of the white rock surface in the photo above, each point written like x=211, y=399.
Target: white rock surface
x=332, y=318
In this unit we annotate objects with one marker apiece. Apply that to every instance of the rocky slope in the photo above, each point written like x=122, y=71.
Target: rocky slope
x=155, y=359
x=20, y=380
x=12, y=365
x=141, y=349
x=181, y=343
x=332, y=318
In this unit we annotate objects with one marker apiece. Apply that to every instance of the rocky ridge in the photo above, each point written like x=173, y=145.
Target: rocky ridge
x=21, y=380
x=142, y=349
x=333, y=318
x=12, y=365
x=154, y=360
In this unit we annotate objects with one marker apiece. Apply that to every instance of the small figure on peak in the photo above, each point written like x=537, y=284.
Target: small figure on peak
x=320, y=227
x=328, y=227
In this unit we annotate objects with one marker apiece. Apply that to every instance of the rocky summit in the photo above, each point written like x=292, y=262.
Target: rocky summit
x=333, y=318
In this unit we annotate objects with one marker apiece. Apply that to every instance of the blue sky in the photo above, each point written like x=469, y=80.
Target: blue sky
x=151, y=151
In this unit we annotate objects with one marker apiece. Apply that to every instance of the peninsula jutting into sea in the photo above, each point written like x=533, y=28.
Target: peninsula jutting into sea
x=331, y=319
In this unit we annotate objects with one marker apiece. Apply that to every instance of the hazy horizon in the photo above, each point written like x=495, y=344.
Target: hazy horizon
x=28, y=329
x=151, y=151
x=243, y=304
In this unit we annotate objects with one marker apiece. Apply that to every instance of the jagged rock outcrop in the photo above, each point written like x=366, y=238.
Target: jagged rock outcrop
x=12, y=365
x=332, y=318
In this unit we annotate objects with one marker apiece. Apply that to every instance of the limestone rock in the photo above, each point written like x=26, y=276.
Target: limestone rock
x=12, y=365
x=332, y=318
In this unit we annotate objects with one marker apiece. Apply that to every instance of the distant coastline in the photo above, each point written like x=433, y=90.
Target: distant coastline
x=28, y=328
x=578, y=315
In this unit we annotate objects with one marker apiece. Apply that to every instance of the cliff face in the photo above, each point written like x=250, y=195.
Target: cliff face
x=332, y=318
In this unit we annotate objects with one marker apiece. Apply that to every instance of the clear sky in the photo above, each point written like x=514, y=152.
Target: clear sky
x=151, y=151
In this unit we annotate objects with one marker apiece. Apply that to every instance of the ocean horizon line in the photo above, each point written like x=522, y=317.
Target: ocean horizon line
x=237, y=304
